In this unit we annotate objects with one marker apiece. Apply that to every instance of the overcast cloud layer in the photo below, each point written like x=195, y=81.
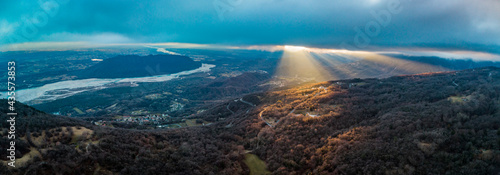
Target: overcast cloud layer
x=454, y=24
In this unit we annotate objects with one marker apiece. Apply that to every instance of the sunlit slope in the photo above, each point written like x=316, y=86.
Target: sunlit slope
x=322, y=65
x=433, y=123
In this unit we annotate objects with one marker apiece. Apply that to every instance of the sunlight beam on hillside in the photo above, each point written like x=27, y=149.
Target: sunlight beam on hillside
x=311, y=64
x=377, y=61
x=297, y=62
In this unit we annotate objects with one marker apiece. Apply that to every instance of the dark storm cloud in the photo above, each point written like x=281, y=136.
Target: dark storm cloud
x=319, y=23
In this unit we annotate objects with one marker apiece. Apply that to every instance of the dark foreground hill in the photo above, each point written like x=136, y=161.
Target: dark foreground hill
x=440, y=123
x=127, y=66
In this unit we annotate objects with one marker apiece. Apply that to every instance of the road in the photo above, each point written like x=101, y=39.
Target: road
x=291, y=112
x=243, y=101
x=227, y=107
x=246, y=102
x=262, y=118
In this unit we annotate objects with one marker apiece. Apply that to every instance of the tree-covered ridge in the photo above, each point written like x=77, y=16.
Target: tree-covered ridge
x=439, y=123
x=442, y=123
x=127, y=66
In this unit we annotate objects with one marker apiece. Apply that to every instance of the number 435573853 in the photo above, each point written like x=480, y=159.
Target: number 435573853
x=11, y=86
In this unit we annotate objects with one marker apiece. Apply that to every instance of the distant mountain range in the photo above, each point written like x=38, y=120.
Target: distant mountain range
x=383, y=66
x=453, y=64
x=127, y=66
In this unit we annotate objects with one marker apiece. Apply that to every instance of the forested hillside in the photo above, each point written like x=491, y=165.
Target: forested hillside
x=436, y=123
x=127, y=66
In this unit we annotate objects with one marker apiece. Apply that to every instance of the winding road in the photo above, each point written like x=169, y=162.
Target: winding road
x=243, y=101
x=291, y=112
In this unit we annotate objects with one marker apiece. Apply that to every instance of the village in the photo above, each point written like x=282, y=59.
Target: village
x=147, y=119
x=156, y=121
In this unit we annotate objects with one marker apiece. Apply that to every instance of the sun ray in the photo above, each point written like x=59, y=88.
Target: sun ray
x=312, y=64
x=297, y=62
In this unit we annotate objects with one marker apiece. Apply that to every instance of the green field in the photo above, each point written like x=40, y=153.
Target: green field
x=256, y=165
x=459, y=99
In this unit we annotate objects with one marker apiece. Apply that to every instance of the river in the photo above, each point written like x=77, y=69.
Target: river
x=63, y=89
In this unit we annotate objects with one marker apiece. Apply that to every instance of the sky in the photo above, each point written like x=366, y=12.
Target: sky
x=347, y=24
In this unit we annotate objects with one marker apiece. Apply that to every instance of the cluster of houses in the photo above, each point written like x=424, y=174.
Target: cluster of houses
x=153, y=119
x=176, y=106
x=148, y=119
x=348, y=85
x=325, y=90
